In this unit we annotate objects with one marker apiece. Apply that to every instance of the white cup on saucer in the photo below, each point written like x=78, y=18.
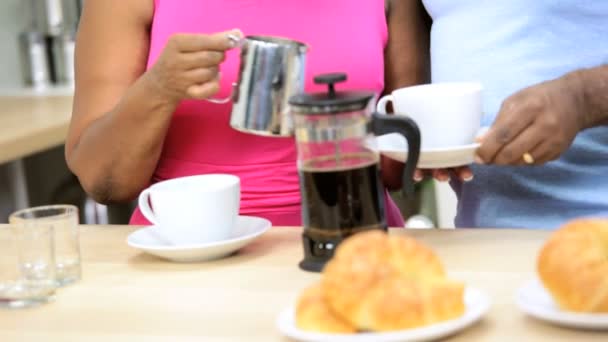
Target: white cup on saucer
x=448, y=114
x=193, y=210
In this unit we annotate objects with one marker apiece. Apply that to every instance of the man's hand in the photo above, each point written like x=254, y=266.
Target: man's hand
x=536, y=124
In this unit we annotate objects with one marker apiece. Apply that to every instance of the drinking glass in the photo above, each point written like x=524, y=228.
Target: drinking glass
x=27, y=265
x=64, y=221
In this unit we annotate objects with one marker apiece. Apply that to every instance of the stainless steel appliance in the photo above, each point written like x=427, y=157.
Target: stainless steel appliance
x=271, y=71
x=35, y=65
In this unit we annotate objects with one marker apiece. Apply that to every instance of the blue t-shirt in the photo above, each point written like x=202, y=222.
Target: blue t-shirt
x=509, y=45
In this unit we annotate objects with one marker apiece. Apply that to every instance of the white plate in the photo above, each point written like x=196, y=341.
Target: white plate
x=248, y=229
x=477, y=304
x=394, y=146
x=536, y=301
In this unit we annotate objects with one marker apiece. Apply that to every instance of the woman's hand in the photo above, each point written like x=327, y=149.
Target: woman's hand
x=188, y=67
x=392, y=171
x=536, y=124
x=463, y=173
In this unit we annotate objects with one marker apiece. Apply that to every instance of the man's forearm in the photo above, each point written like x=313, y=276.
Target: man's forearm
x=594, y=86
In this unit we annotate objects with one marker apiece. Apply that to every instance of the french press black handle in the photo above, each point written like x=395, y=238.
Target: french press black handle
x=384, y=124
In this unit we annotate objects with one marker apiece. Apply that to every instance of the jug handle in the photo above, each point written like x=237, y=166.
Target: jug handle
x=384, y=124
x=237, y=42
x=226, y=99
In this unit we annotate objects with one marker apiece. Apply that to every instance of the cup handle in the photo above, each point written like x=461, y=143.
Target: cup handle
x=381, y=106
x=384, y=124
x=144, y=206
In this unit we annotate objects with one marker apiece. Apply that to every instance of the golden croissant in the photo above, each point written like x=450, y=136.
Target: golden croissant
x=573, y=265
x=377, y=282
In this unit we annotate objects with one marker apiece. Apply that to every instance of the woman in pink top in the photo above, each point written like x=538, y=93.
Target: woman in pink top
x=143, y=68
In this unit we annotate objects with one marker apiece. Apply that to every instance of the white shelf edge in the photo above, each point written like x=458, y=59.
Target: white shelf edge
x=35, y=92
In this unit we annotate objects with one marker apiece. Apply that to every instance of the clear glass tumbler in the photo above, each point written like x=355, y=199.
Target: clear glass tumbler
x=64, y=221
x=27, y=265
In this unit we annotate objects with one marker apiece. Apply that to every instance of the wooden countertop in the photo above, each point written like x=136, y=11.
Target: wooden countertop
x=129, y=296
x=31, y=124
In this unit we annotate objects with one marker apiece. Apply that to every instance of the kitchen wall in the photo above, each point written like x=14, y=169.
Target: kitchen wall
x=49, y=180
x=13, y=18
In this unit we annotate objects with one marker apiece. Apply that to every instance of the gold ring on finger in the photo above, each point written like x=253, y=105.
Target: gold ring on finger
x=528, y=159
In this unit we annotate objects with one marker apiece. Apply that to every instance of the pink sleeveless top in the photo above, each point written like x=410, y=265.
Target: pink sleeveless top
x=343, y=35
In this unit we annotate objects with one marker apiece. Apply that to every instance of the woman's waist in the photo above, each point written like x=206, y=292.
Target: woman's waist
x=202, y=134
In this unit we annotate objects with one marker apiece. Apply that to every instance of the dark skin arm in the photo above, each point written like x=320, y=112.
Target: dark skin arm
x=544, y=119
x=595, y=95
x=407, y=55
x=121, y=112
x=406, y=61
x=109, y=61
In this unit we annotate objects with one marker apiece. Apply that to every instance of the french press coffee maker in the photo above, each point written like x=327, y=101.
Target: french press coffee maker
x=339, y=168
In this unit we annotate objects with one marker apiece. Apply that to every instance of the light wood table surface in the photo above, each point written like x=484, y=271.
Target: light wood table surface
x=129, y=296
x=31, y=124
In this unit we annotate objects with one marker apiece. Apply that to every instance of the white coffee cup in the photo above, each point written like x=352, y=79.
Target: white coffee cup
x=447, y=114
x=194, y=209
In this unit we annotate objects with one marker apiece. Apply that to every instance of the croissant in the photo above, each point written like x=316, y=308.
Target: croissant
x=380, y=283
x=313, y=313
x=573, y=265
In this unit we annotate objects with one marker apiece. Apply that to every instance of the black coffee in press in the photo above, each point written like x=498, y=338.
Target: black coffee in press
x=342, y=201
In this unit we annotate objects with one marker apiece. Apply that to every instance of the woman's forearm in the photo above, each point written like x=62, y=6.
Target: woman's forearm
x=116, y=154
x=122, y=108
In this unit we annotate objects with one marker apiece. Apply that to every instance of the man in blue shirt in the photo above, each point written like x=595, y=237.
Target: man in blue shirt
x=544, y=67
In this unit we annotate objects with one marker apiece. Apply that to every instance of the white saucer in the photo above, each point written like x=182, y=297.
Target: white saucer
x=477, y=304
x=394, y=146
x=536, y=301
x=248, y=228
